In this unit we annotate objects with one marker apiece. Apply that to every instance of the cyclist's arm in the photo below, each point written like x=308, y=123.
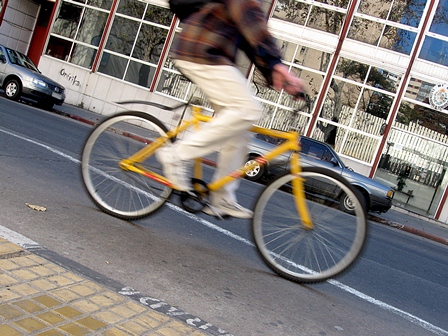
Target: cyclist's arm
x=283, y=79
x=260, y=46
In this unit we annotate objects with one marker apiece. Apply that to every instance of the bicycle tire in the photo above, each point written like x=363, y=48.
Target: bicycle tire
x=123, y=194
x=313, y=255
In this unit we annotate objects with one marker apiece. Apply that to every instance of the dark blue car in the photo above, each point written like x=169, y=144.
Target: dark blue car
x=376, y=196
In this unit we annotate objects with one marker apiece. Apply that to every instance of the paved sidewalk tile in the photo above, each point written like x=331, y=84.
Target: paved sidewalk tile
x=38, y=297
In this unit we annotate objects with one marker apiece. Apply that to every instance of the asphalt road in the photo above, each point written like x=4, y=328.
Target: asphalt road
x=206, y=267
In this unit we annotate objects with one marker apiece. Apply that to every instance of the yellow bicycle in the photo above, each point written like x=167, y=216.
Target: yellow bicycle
x=298, y=226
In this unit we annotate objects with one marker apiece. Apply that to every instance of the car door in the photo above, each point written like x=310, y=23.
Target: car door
x=317, y=154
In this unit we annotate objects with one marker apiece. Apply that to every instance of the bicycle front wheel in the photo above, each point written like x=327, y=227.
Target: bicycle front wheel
x=121, y=193
x=316, y=254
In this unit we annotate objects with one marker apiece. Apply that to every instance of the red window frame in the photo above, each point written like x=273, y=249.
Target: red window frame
x=5, y=4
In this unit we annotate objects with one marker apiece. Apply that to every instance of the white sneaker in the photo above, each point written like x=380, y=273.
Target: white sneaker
x=174, y=169
x=232, y=209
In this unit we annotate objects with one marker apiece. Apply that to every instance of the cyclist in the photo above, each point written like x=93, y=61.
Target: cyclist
x=205, y=52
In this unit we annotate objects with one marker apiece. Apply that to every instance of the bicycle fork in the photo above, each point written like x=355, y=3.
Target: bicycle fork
x=298, y=190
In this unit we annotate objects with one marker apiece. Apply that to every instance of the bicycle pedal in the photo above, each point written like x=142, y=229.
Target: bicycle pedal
x=191, y=201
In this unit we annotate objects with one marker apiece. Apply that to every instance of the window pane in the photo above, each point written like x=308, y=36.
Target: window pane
x=122, y=35
x=341, y=98
x=268, y=115
x=150, y=43
x=372, y=112
x=290, y=120
x=58, y=48
x=329, y=133
x=92, y=26
x=365, y=31
x=159, y=15
x=104, y=4
x=326, y=20
x=313, y=83
x=408, y=12
x=288, y=49
x=291, y=11
x=435, y=50
x=312, y=58
x=262, y=90
x=427, y=118
x=399, y=40
x=175, y=85
x=83, y=56
x=301, y=55
x=66, y=23
x=139, y=73
x=113, y=65
x=350, y=69
x=132, y=8
x=169, y=63
x=440, y=22
x=378, y=9
x=383, y=79
x=416, y=151
x=359, y=146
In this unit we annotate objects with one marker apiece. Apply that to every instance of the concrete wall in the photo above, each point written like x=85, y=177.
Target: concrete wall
x=100, y=93
x=18, y=24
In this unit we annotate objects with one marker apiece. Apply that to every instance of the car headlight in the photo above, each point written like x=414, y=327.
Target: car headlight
x=39, y=82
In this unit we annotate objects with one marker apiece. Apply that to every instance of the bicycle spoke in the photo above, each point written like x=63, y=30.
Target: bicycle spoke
x=122, y=193
x=308, y=255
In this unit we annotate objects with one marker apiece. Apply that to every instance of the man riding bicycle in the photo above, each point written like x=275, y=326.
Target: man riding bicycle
x=205, y=52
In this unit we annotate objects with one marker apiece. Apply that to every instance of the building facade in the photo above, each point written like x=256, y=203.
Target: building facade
x=376, y=71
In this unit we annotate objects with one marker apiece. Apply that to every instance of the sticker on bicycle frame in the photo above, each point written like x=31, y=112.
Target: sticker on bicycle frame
x=438, y=96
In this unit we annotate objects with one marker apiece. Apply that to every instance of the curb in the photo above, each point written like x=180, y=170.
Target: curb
x=408, y=229
x=75, y=117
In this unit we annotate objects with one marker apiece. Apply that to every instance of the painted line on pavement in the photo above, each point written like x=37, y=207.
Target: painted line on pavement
x=17, y=238
x=414, y=319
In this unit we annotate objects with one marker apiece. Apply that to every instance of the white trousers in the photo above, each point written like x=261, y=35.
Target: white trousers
x=236, y=110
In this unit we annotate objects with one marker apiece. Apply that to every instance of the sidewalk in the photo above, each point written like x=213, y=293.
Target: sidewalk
x=40, y=298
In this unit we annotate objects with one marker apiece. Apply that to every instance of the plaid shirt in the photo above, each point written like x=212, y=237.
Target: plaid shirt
x=214, y=34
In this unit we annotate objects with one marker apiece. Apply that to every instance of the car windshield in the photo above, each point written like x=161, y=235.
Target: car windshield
x=20, y=59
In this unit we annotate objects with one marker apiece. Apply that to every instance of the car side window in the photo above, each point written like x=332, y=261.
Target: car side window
x=12, y=56
x=316, y=150
x=327, y=156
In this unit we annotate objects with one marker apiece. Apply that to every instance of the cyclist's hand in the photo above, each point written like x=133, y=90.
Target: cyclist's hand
x=283, y=79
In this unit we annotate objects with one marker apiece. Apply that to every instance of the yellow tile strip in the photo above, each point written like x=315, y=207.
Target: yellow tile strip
x=38, y=297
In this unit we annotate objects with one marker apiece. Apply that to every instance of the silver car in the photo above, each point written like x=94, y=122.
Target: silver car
x=20, y=78
x=377, y=196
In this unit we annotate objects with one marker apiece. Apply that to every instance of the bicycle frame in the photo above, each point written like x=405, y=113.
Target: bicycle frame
x=291, y=144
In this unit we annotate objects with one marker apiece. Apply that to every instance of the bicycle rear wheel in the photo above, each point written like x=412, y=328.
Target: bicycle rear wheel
x=316, y=254
x=121, y=193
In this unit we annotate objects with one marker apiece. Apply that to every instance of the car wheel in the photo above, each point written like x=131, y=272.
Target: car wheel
x=346, y=203
x=13, y=89
x=257, y=172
